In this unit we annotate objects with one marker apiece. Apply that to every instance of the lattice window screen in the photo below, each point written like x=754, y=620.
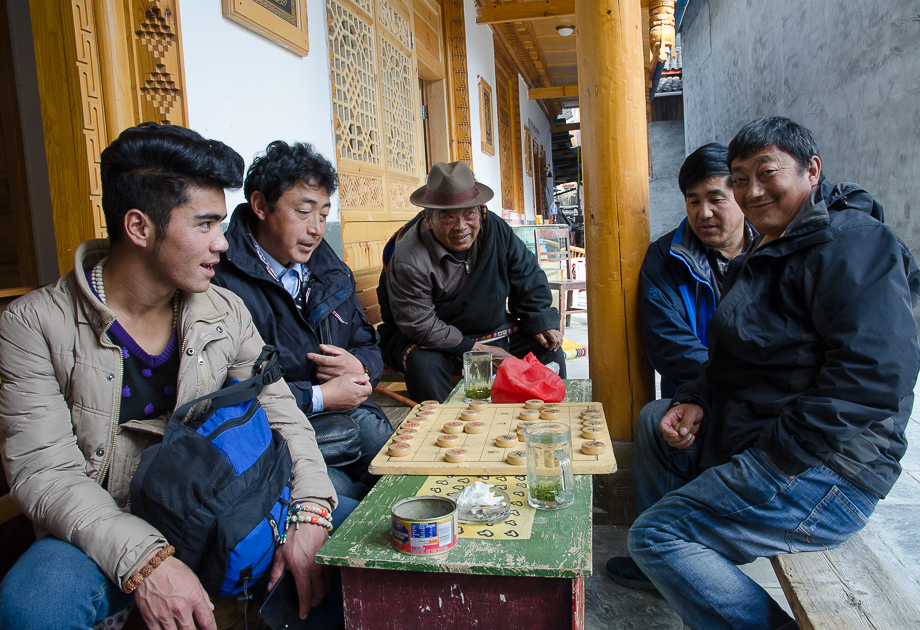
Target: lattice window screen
x=399, y=114
x=354, y=97
x=389, y=18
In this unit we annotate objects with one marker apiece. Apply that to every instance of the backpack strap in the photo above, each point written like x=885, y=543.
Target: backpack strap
x=266, y=371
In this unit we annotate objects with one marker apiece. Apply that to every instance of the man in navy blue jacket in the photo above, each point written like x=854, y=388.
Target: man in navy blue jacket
x=683, y=270
x=302, y=296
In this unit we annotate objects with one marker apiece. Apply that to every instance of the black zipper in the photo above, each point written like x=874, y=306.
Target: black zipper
x=232, y=424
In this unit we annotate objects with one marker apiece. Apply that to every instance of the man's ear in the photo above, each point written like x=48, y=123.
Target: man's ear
x=814, y=170
x=139, y=228
x=259, y=205
x=427, y=214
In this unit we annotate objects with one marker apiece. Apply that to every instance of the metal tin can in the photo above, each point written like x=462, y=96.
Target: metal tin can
x=424, y=526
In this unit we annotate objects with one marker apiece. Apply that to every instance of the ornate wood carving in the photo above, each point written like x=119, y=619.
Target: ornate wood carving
x=398, y=84
x=392, y=20
x=158, y=61
x=359, y=191
x=399, y=195
x=354, y=85
x=459, y=85
x=91, y=100
x=661, y=31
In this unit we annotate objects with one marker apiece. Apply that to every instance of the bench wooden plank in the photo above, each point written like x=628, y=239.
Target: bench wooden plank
x=846, y=588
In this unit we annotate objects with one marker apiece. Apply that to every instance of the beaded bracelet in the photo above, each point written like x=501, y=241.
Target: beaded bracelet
x=135, y=580
x=296, y=515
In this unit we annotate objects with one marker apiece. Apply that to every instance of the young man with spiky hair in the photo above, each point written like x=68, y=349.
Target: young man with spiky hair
x=93, y=366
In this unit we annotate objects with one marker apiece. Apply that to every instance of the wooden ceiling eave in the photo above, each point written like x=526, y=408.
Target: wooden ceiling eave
x=524, y=54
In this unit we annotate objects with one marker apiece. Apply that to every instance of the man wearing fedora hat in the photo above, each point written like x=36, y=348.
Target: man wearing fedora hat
x=456, y=278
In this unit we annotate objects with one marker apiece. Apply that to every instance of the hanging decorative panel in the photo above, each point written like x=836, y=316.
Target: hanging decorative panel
x=354, y=95
x=399, y=114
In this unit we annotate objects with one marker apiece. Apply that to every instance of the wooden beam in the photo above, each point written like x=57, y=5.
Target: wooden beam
x=615, y=160
x=525, y=11
x=559, y=91
x=565, y=127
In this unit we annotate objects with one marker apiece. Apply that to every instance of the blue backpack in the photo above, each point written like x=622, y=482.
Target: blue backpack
x=218, y=485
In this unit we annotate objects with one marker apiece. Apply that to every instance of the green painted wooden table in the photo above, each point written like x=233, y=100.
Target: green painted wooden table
x=503, y=584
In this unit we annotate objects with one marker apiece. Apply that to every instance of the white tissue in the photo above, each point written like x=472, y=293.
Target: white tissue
x=553, y=366
x=478, y=494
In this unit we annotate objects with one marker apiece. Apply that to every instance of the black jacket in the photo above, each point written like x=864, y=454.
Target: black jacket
x=505, y=272
x=813, y=352
x=332, y=314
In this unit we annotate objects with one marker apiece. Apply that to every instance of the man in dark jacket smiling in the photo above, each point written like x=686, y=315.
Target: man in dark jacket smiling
x=444, y=290
x=794, y=429
x=302, y=296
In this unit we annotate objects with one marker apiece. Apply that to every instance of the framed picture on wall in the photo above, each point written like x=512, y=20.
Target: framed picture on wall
x=528, y=158
x=281, y=21
x=486, y=128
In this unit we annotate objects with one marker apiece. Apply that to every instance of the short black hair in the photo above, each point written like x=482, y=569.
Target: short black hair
x=776, y=131
x=151, y=168
x=707, y=161
x=283, y=165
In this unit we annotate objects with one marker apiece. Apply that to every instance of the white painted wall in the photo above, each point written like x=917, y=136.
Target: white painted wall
x=532, y=117
x=480, y=64
x=247, y=91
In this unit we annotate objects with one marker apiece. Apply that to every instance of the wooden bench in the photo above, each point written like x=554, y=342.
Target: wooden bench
x=846, y=588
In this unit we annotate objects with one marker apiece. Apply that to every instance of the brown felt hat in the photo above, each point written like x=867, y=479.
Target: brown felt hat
x=451, y=187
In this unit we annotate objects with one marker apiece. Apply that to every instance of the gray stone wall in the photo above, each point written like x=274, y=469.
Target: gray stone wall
x=666, y=204
x=845, y=69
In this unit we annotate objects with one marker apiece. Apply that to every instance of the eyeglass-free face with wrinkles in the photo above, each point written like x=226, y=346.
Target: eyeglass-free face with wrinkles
x=455, y=229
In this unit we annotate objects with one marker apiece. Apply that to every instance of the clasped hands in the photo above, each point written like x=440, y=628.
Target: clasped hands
x=341, y=376
x=680, y=424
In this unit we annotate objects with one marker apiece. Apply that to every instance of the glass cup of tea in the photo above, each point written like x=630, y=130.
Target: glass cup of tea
x=477, y=376
x=550, y=484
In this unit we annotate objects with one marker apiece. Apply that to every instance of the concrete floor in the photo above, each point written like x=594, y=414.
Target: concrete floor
x=892, y=532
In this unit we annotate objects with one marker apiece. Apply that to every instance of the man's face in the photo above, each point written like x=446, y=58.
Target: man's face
x=293, y=230
x=455, y=229
x=185, y=254
x=770, y=187
x=713, y=214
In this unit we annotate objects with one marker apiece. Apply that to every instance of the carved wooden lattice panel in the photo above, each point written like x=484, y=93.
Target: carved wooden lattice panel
x=91, y=101
x=399, y=195
x=399, y=114
x=459, y=83
x=358, y=191
x=354, y=93
x=391, y=19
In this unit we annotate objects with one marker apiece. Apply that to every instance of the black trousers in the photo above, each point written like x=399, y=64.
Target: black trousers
x=429, y=372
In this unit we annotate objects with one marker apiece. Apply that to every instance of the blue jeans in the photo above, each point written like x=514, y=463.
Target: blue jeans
x=711, y=520
x=55, y=585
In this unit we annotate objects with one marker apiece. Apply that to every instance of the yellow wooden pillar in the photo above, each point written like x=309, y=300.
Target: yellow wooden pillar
x=611, y=95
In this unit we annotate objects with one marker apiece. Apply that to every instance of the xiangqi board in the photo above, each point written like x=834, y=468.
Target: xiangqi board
x=453, y=439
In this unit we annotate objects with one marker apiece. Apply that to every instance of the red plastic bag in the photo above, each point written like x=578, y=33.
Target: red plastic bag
x=519, y=380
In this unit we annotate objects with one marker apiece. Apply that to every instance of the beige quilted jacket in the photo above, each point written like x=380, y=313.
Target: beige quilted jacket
x=60, y=385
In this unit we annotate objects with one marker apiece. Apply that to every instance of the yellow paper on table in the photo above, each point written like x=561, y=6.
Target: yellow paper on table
x=519, y=523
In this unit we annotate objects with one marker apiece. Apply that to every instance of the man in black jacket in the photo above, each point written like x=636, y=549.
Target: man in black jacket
x=302, y=299
x=444, y=290
x=794, y=429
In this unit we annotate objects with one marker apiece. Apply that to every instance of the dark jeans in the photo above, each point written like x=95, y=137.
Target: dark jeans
x=55, y=585
x=429, y=372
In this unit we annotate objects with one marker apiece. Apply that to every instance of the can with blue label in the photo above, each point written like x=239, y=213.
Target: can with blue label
x=424, y=526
